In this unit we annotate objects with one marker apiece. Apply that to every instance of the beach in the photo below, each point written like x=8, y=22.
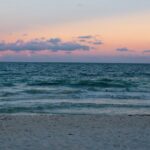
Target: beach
x=73, y=132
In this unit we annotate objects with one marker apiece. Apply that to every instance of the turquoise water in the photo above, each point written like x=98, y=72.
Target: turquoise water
x=77, y=88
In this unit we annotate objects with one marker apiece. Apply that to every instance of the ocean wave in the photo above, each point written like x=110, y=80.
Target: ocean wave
x=103, y=83
x=66, y=105
x=6, y=84
x=8, y=94
x=46, y=83
x=36, y=91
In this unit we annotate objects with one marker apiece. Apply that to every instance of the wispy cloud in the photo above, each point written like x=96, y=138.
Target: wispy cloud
x=85, y=37
x=90, y=39
x=97, y=42
x=123, y=49
x=146, y=51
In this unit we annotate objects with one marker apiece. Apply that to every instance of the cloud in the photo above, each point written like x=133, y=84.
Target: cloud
x=123, y=49
x=85, y=37
x=25, y=34
x=146, y=51
x=90, y=39
x=53, y=44
x=97, y=42
x=54, y=40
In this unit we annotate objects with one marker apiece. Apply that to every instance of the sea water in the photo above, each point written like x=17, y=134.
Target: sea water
x=74, y=88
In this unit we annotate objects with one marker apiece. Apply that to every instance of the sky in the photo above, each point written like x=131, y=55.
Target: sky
x=75, y=30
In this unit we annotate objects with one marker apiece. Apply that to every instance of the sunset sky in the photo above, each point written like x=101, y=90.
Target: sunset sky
x=75, y=30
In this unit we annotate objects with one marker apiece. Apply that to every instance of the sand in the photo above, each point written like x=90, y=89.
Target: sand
x=74, y=132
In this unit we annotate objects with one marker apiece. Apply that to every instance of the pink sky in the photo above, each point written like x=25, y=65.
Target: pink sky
x=125, y=34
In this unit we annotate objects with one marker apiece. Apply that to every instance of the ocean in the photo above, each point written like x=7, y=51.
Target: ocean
x=74, y=88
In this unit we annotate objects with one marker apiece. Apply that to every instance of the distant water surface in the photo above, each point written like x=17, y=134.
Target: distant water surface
x=76, y=88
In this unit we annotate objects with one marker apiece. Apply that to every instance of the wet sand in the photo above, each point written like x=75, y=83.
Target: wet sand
x=74, y=132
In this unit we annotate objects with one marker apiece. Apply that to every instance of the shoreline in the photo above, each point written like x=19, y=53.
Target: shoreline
x=73, y=114
x=72, y=132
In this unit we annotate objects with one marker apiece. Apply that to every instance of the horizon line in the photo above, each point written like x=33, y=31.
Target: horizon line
x=75, y=62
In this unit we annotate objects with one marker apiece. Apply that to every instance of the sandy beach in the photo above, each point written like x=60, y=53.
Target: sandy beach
x=74, y=132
